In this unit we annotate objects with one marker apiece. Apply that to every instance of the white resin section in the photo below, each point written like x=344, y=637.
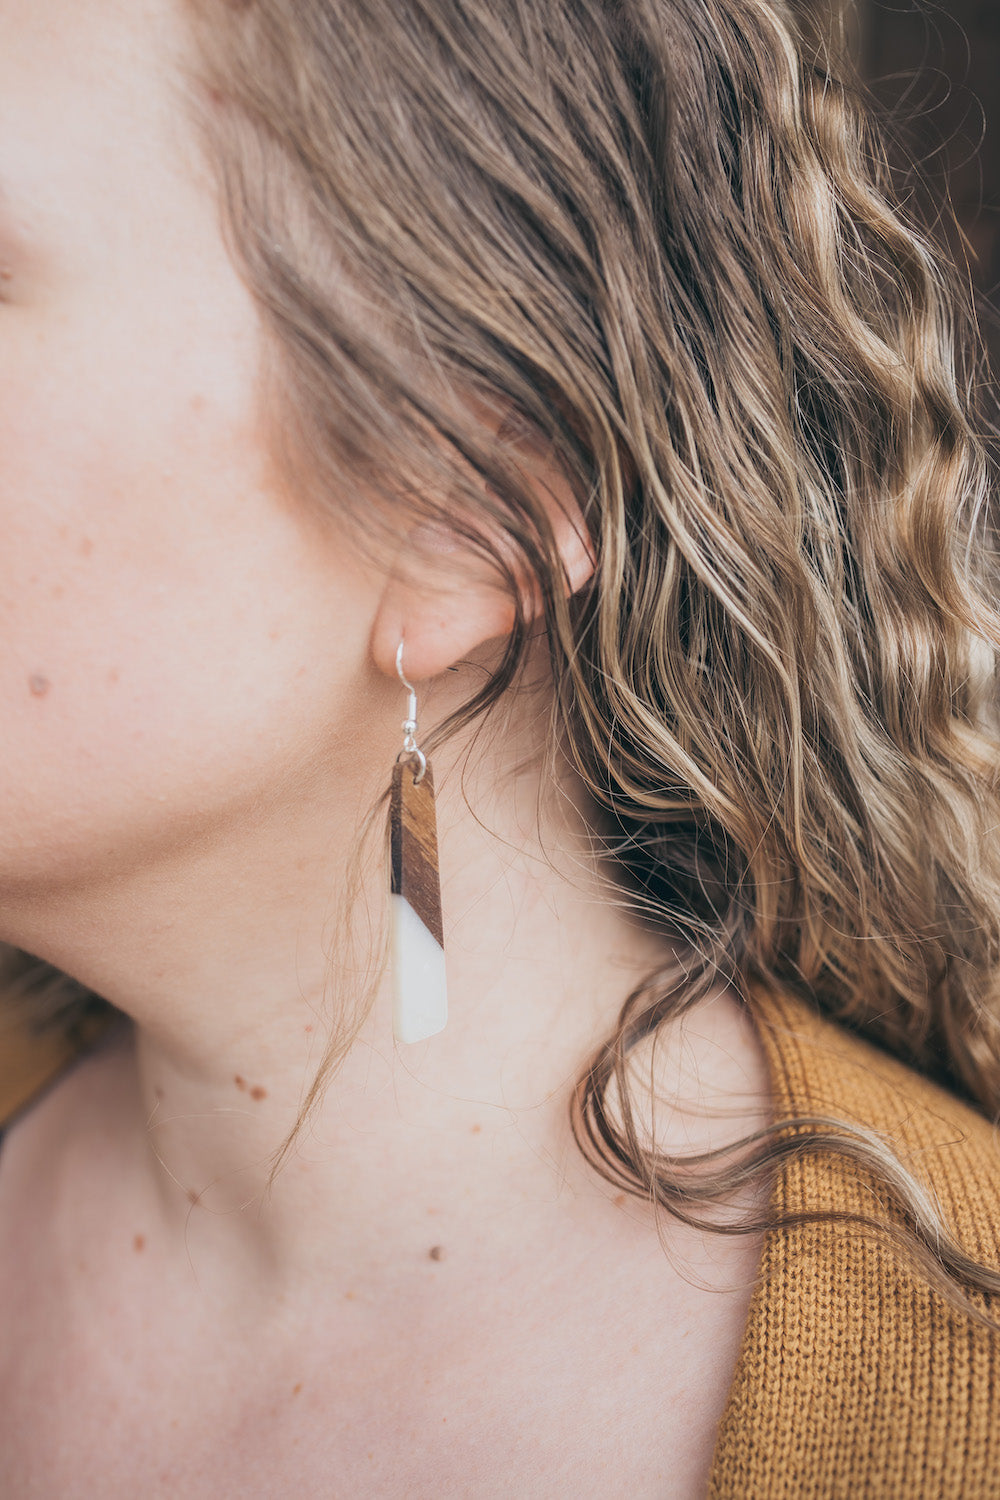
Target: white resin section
x=419, y=991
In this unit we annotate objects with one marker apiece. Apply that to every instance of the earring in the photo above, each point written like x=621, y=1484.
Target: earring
x=416, y=934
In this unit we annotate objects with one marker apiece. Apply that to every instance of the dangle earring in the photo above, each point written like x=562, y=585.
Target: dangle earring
x=416, y=935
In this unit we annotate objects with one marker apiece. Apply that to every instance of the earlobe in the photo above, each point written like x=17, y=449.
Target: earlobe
x=439, y=626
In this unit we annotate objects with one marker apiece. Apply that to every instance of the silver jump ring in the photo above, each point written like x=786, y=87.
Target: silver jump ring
x=414, y=754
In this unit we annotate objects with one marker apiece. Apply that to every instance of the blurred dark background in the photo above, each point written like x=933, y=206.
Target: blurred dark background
x=936, y=68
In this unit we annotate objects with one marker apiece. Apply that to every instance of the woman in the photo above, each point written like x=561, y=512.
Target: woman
x=571, y=363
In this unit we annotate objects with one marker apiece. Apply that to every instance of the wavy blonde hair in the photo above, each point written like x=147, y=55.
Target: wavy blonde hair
x=661, y=237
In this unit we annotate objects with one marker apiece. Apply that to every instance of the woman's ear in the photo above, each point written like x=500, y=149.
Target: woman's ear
x=444, y=614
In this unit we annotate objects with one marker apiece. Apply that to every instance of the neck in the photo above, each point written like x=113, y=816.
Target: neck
x=235, y=971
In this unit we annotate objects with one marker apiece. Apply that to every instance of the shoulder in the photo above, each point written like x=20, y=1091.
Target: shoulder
x=820, y=1068
x=853, y=1371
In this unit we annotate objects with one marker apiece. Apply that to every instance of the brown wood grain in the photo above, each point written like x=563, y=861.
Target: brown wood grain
x=413, y=837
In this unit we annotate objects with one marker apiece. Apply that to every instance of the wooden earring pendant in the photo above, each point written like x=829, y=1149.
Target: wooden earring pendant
x=416, y=932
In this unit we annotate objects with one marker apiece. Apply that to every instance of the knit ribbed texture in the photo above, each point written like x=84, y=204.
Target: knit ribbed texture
x=854, y=1378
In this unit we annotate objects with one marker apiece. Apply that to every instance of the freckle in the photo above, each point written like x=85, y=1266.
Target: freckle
x=86, y=547
x=198, y=402
x=476, y=1130
x=308, y=1030
x=350, y=1296
x=192, y=1195
x=240, y=1083
x=296, y=1388
x=38, y=685
x=619, y=1200
x=436, y=1252
x=257, y=1092
x=139, y=1243
x=635, y=1348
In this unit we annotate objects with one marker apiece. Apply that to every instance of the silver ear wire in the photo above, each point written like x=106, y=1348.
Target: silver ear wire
x=410, y=746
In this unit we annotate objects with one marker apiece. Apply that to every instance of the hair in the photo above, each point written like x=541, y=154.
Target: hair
x=662, y=238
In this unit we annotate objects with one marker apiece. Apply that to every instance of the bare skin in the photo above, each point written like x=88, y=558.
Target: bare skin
x=540, y=1343
x=437, y=1296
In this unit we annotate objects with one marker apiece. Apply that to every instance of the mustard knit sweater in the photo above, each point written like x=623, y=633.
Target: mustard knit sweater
x=854, y=1379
